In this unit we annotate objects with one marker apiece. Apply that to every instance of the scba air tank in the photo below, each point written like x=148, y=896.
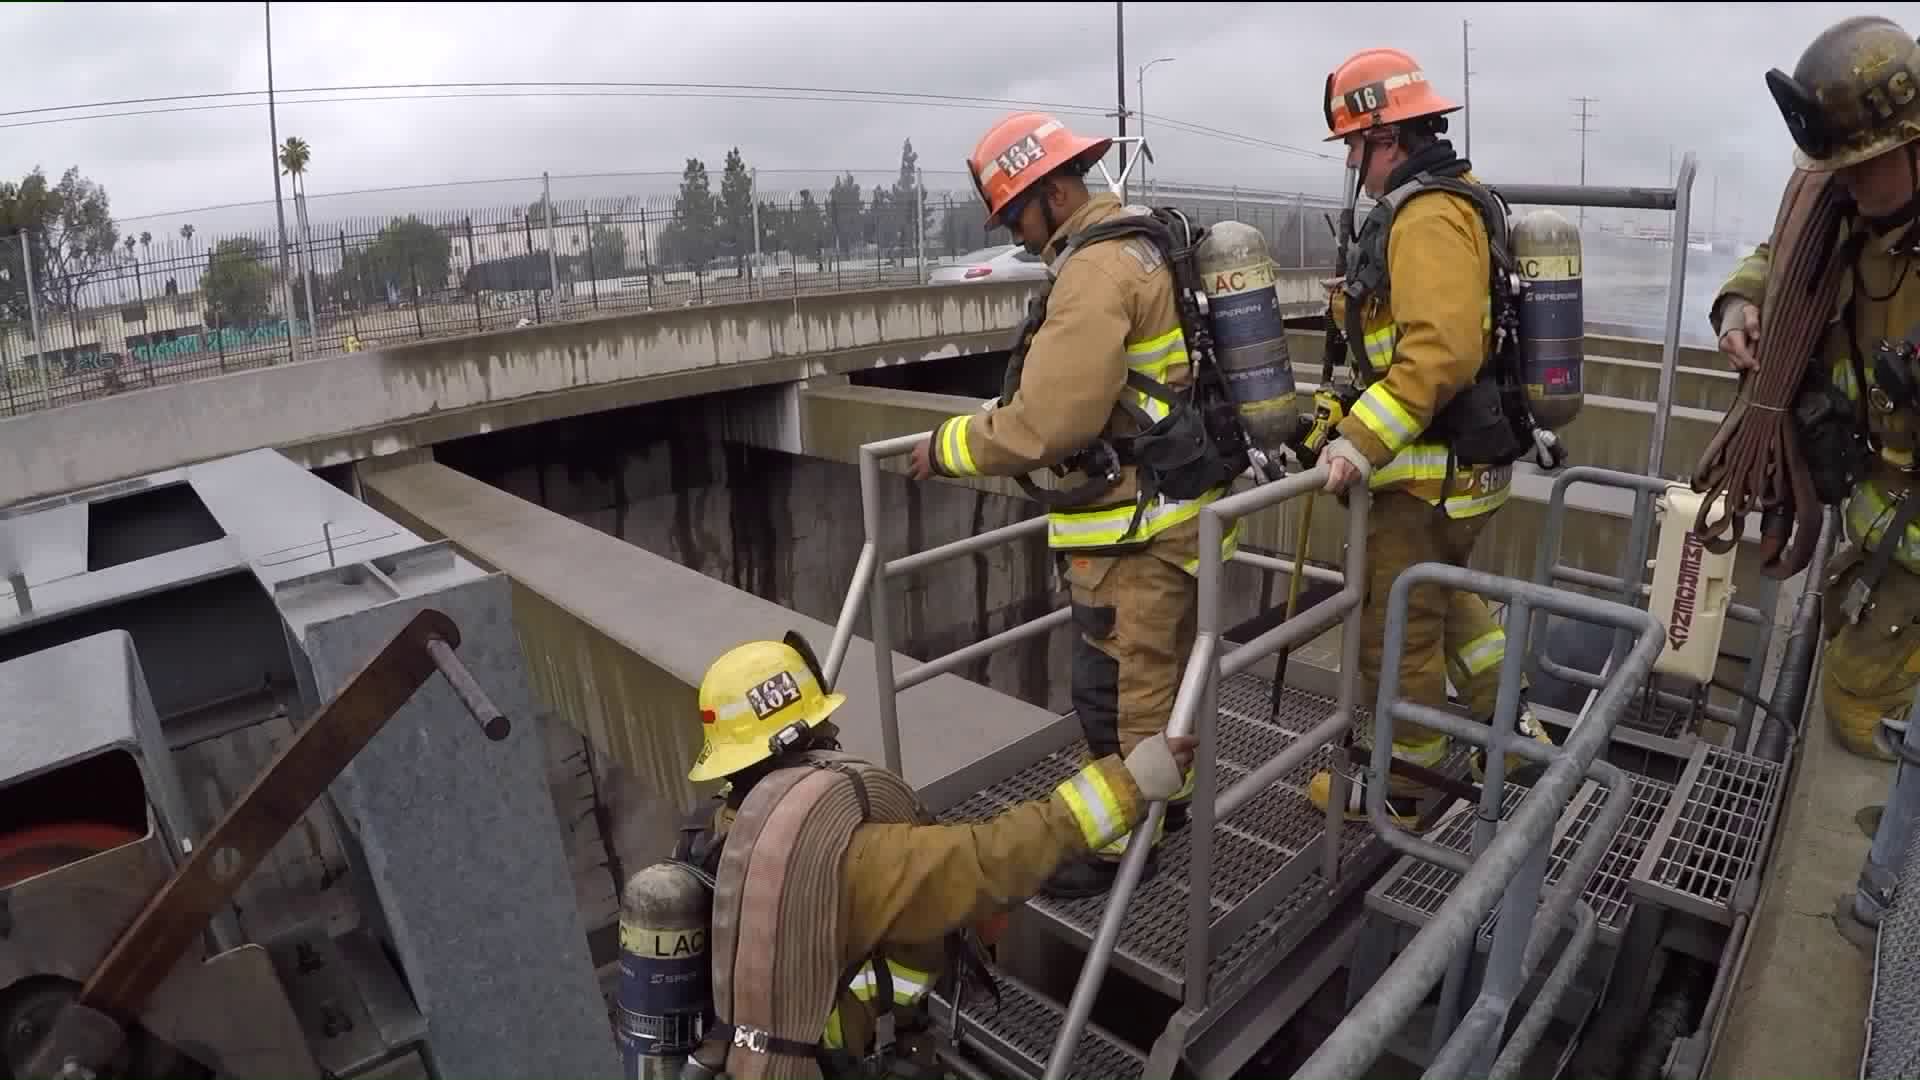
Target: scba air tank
x=1249, y=333
x=1546, y=248
x=665, y=975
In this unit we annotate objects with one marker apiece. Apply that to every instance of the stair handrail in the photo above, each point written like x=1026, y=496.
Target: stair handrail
x=1195, y=712
x=1521, y=843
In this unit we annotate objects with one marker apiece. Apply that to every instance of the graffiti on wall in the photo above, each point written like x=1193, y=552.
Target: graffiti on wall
x=225, y=338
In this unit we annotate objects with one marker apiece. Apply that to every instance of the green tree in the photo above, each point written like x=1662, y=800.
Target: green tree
x=70, y=232
x=908, y=192
x=689, y=240
x=736, y=209
x=408, y=253
x=806, y=226
x=609, y=248
x=236, y=284
x=844, y=214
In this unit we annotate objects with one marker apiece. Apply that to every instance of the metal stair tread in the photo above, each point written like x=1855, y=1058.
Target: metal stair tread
x=1021, y=1033
x=1711, y=834
x=1277, y=826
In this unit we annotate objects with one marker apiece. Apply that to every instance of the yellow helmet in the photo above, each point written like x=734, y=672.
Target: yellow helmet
x=752, y=694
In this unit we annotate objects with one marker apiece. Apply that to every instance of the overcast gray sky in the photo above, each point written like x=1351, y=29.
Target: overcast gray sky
x=1666, y=78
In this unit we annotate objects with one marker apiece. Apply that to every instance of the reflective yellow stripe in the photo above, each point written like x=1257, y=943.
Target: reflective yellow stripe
x=1154, y=358
x=910, y=986
x=1424, y=466
x=1229, y=544
x=1389, y=420
x=1103, y=528
x=1095, y=807
x=1485, y=652
x=1869, y=512
x=1843, y=378
x=1383, y=339
x=1117, y=847
x=951, y=445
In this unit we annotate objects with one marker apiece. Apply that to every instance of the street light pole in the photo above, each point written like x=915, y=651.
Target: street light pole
x=1140, y=97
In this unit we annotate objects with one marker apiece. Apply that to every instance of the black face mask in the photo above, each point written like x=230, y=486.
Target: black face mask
x=1437, y=156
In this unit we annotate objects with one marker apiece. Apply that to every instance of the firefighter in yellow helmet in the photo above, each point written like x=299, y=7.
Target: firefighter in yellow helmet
x=1852, y=106
x=1128, y=555
x=1417, y=305
x=904, y=887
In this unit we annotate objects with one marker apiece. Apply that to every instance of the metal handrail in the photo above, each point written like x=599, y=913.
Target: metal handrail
x=1629, y=585
x=1520, y=845
x=1196, y=712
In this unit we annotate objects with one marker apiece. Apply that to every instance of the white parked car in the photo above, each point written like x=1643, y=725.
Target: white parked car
x=1002, y=262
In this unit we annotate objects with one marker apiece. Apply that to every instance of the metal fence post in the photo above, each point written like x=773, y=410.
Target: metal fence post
x=593, y=272
x=473, y=278
x=920, y=224
x=1300, y=224
x=413, y=279
x=553, y=248
x=33, y=315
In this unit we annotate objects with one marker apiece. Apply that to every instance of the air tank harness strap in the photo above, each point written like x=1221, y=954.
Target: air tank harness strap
x=1860, y=593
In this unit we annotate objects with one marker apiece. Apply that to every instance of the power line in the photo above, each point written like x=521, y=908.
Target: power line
x=745, y=91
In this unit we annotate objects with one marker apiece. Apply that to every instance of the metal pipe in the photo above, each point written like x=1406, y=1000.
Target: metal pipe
x=954, y=549
x=940, y=665
x=1534, y=1024
x=1481, y=1025
x=1795, y=675
x=1305, y=626
x=1617, y=804
x=493, y=723
x=1593, y=579
x=1359, y=508
x=1676, y=297
x=1281, y=566
x=885, y=694
x=849, y=611
x=1271, y=770
x=1361, y=1037
x=1206, y=765
x=1619, y=198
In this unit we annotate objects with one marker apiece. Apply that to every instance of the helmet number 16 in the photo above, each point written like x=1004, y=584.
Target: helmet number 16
x=1368, y=98
x=773, y=695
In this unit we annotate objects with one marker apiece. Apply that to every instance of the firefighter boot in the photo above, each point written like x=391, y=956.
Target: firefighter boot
x=1407, y=800
x=1519, y=770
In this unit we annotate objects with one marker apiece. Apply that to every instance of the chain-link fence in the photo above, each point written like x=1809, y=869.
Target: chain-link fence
x=82, y=316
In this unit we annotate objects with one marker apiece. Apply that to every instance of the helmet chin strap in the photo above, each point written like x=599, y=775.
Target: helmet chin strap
x=1910, y=210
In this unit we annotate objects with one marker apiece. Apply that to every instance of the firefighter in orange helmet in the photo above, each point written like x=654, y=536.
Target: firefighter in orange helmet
x=1129, y=563
x=1415, y=347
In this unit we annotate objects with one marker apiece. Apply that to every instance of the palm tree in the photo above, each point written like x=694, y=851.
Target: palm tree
x=294, y=156
x=131, y=240
x=186, y=233
x=146, y=240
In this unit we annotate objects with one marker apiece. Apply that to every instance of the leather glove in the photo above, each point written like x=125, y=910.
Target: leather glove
x=1154, y=771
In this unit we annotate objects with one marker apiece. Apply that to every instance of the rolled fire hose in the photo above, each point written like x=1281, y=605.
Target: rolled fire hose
x=1755, y=459
x=778, y=939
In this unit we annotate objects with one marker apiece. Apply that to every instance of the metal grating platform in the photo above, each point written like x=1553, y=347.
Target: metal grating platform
x=1893, y=1018
x=1268, y=836
x=1414, y=889
x=1712, y=833
x=1021, y=1031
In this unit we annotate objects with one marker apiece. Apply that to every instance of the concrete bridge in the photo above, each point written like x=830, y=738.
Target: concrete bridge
x=659, y=488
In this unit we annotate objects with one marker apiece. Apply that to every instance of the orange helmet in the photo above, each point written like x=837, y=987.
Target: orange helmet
x=1021, y=149
x=1376, y=87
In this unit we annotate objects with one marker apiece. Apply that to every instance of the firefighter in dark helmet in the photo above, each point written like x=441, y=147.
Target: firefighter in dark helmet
x=1852, y=107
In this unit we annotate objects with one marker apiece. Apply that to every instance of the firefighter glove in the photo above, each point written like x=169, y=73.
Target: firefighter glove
x=1158, y=776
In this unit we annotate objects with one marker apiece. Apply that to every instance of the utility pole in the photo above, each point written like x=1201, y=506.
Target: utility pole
x=279, y=211
x=1120, y=80
x=1584, y=129
x=1466, y=88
